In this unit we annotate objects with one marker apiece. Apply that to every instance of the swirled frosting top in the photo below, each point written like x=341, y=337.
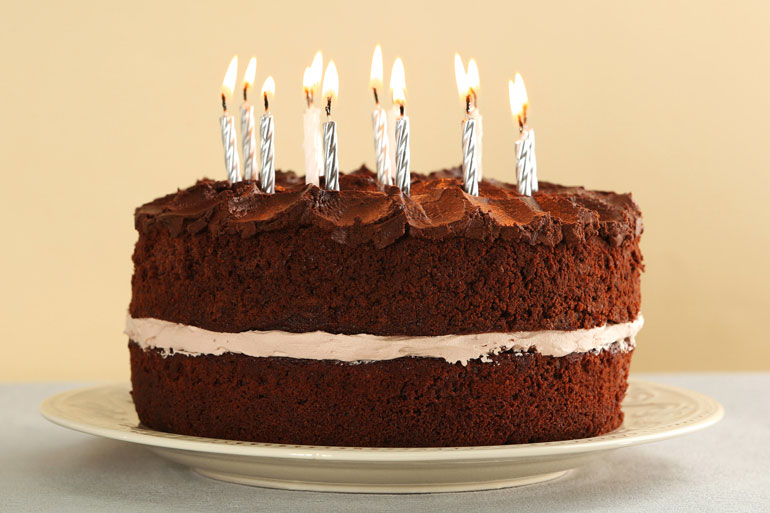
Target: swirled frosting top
x=361, y=213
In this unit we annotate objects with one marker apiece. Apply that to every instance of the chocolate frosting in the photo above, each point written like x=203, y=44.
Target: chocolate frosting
x=361, y=213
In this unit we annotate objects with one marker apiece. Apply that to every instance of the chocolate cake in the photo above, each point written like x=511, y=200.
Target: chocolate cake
x=364, y=317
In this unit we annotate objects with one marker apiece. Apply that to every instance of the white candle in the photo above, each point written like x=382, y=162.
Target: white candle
x=526, y=166
x=248, y=136
x=311, y=122
x=381, y=146
x=526, y=161
x=470, y=169
x=393, y=114
x=312, y=145
x=232, y=162
x=403, y=156
x=380, y=124
x=227, y=123
x=476, y=115
x=267, y=139
x=331, y=164
x=249, y=141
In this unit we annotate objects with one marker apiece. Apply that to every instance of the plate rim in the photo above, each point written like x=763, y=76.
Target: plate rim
x=49, y=409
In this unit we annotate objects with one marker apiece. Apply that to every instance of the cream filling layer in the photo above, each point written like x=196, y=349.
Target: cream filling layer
x=171, y=338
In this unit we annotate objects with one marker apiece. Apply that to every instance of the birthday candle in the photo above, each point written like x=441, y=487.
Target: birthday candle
x=232, y=163
x=248, y=138
x=526, y=161
x=380, y=124
x=267, y=139
x=403, y=157
x=311, y=121
x=331, y=165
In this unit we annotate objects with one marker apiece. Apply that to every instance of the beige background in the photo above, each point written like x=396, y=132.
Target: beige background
x=107, y=105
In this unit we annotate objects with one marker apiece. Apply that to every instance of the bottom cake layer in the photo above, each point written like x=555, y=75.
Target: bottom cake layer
x=405, y=402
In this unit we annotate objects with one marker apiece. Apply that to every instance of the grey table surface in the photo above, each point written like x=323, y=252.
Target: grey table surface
x=723, y=468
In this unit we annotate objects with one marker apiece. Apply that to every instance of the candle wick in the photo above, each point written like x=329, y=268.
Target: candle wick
x=401, y=109
x=309, y=98
x=245, y=92
x=224, y=103
x=267, y=107
x=467, y=104
x=328, y=106
x=376, y=96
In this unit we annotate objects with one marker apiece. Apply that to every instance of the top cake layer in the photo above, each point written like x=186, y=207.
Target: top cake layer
x=360, y=213
x=229, y=258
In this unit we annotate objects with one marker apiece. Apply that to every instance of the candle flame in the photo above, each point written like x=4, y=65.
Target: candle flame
x=398, y=82
x=268, y=88
x=461, y=77
x=375, y=77
x=312, y=76
x=251, y=72
x=472, y=77
x=307, y=79
x=331, y=82
x=228, y=84
x=316, y=69
x=517, y=95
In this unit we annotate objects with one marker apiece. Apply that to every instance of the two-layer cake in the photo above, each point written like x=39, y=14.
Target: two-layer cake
x=368, y=318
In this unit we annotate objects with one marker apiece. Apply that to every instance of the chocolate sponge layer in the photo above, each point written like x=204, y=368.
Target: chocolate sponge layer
x=229, y=258
x=407, y=402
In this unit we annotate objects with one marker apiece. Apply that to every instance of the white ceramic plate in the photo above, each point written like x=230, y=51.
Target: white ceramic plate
x=652, y=412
